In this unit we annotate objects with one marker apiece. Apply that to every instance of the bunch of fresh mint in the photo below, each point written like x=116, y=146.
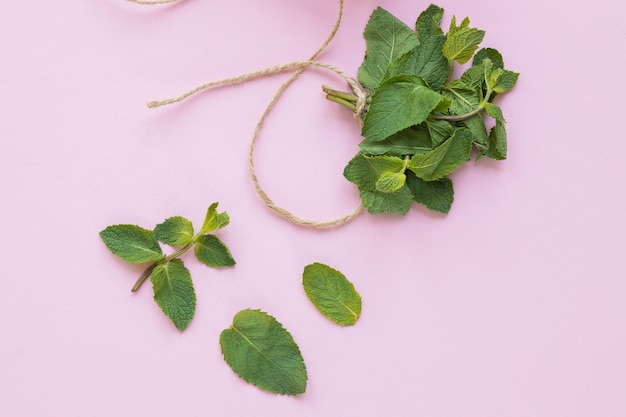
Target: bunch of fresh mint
x=418, y=124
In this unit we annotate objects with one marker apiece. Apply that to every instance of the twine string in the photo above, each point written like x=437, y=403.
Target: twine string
x=299, y=67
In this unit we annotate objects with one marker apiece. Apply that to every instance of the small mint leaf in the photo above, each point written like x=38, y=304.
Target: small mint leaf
x=429, y=21
x=415, y=139
x=175, y=231
x=132, y=243
x=364, y=171
x=390, y=182
x=445, y=158
x=488, y=53
x=377, y=202
x=174, y=292
x=263, y=353
x=462, y=41
x=497, y=142
x=211, y=251
x=214, y=220
x=436, y=195
x=332, y=294
x=494, y=111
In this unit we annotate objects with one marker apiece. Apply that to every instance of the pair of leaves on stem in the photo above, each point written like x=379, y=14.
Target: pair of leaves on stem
x=171, y=281
x=263, y=353
x=419, y=125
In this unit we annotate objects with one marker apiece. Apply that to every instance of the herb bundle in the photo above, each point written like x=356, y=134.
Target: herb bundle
x=418, y=124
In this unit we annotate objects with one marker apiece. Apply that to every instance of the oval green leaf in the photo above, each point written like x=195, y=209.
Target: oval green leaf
x=332, y=294
x=211, y=251
x=261, y=352
x=175, y=231
x=174, y=293
x=132, y=243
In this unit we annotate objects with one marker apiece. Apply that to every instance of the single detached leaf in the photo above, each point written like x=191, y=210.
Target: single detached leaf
x=377, y=202
x=436, y=195
x=332, y=294
x=364, y=171
x=497, y=142
x=462, y=41
x=132, y=243
x=175, y=231
x=415, y=139
x=445, y=158
x=174, y=293
x=214, y=220
x=261, y=352
x=399, y=103
x=387, y=38
x=429, y=21
x=211, y=251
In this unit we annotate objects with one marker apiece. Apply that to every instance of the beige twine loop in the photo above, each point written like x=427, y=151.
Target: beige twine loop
x=299, y=66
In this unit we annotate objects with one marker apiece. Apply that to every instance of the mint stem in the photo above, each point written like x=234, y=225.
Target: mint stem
x=341, y=101
x=144, y=276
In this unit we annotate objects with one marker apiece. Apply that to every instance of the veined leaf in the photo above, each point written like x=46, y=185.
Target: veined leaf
x=214, y=220
x=400, y=102
x=211, y=251
x=174, y=293
x=364, y=171
x=462, y=41
x=495, y=112
x=436, y=195
x=506, y=81
x=439, y=130
x=332, y=294
x=387, y=38
x=174, y=231
x=415, y=139
x=390, y=182
x=445, y=158
x=476, y=125
x=428, y=23
x=377, y=202
x=132, y=243
x=497, y=142
x=261, y=352
x=488, y=53
x=462, y=98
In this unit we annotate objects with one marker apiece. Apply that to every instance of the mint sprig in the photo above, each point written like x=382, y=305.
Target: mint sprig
x=171, y=280
x=419, y=125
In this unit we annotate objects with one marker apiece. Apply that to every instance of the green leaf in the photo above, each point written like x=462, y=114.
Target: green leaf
x=332, y=294
x=462, y=41
x=439, y=131
x=506, y=81
x=399, y=103
x=436, y=195
x=387, y=38
x=211, y=251
x=497, y=142
x=445, y=158
x=174, y=293
x=377, y=202
x=495, y=112
x=409, y=141
x=463, y=99
x=364, y=171
x=488, y=53
x=390, y=182
x=428, y=23
x=174, y=231
x=132, y=243
x=261, y=352
x=476, y=125
x=214, y=220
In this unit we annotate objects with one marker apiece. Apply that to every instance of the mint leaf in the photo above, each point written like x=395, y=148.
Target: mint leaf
x=439, y=130
x=415, y=139
x=211, y=251
x=463, y=99
x=387, y=38
x=400, y=102
x=488, y=53
x=497, y=142
x=332, y=294
x=390, y=182
x=175, y=231
x=436, y=195
x=495, y=112
x=214, y=220
x=506, y=81
x=132, y=243
x=462, y=41
x=428, y=23
x=377, y=202
x=445, y=158
x=364, y=171
x=476, y=125
x=261, y=352
x=174, y=293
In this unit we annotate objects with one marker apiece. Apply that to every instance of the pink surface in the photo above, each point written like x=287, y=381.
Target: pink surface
x=513, y=305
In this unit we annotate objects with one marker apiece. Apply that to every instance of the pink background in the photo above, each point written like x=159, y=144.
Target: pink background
x=513, y=305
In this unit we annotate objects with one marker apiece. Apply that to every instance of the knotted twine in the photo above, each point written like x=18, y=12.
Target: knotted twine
x=300, y=67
